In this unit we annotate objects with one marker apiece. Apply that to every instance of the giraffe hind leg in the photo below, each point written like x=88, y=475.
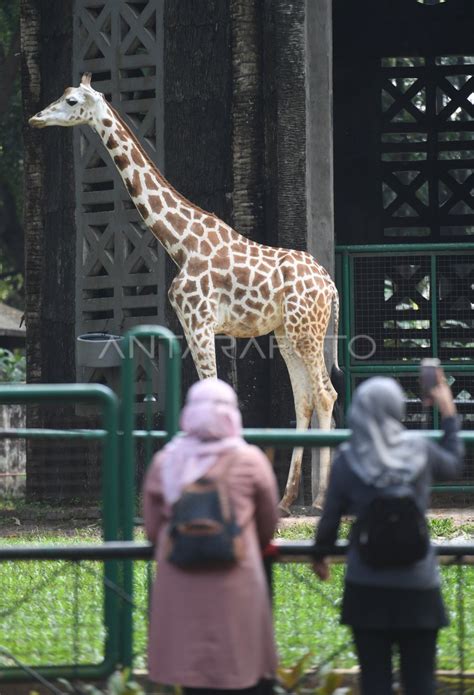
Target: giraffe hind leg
x=325, y=397
x=309, y=346
x=303, y=399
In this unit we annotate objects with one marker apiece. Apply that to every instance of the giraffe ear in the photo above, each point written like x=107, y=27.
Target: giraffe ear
x=86, y=79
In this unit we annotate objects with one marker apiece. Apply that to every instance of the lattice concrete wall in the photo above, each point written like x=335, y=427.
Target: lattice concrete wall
x=120, y=264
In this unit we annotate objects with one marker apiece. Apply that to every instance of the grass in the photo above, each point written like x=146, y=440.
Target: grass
x=51, y=612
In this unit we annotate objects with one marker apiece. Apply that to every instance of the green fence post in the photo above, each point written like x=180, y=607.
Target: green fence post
x=127, y=477
x=347, y=300
x=172, y=408
x=434, y=321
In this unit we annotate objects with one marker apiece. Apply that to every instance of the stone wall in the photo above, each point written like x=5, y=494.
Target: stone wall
x=12, y=451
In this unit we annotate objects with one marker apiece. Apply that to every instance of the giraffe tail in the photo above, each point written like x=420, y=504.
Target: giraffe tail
x=337, y=375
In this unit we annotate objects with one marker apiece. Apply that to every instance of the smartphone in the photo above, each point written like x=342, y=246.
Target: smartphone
x=428, y=375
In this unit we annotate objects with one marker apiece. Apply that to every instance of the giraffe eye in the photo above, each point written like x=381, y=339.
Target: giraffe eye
x=71, y=101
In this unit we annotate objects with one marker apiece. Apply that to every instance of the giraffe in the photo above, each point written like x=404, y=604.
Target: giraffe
x=226, y=283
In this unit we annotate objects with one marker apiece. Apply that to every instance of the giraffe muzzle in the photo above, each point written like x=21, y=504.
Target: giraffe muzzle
x=37, y=122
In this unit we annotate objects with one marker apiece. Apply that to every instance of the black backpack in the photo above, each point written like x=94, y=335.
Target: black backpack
x=392, y=531
x=203, y=532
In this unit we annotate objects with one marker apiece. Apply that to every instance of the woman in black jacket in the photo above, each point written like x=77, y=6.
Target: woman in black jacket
x=395, y=605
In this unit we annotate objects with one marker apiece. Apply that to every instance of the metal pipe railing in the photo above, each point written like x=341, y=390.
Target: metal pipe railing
x=278, y=551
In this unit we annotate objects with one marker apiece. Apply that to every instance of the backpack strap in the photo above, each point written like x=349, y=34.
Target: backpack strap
x=229, y=457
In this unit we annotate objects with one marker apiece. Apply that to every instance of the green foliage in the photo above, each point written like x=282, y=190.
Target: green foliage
x=442, y=528
x=11, y=285
x=305, y=530
x=12, y=365
x=332, y=684
x=290, y=676
x=119, y=683
x=297, y=532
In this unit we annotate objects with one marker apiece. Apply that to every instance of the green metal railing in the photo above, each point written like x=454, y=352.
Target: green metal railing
x=108, y=403
x=316, y=615
x=119, y=490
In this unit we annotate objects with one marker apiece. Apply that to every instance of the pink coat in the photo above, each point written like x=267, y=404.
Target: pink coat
x=213, y=629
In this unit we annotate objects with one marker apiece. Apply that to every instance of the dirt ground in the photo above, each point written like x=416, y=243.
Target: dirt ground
x=459, y=517
x=24, y=521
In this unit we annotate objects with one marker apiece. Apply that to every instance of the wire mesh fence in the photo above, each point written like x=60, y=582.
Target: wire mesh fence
x=411, y=306
x=52, y=613
x=420, y=417
x=53, y=457
x=401, y=303
x=306, y=614
x=392, y=306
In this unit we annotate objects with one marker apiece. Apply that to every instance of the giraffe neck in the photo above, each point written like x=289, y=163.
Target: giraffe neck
x=165, y=212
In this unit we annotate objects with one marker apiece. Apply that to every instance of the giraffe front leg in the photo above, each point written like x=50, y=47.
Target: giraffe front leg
x=198, y=328
x=293, y=481
x=201, y=343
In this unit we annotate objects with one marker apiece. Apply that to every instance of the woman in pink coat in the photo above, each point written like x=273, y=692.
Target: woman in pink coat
x=211, y=630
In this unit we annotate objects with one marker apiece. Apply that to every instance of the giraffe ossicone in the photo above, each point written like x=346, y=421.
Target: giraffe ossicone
x=226, y=283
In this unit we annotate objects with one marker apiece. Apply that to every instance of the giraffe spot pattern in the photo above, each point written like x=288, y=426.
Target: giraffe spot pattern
x=150, y=182
x=186, y=212
x=122, y=161
x=221, y=261
x=191, y=243
x=162, y=232
x=240, y=293
x=137, y=157
x=213, y=238
x=253, y=305
x=219, y=281
x=177, y=222
x=107, y=122
x=242, y=275
x=121, y=134
x=143, y=210
x=170, y=201
x=205, y=248
x=111, y=143
x=197, y=266
x=189, y=287
x=135, y=185
x=156, y=203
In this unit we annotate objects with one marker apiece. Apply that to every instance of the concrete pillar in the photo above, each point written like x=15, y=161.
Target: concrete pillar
x=319, y=151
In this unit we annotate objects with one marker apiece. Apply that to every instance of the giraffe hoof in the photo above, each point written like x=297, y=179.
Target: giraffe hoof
x=284, y=511
x=317, y=509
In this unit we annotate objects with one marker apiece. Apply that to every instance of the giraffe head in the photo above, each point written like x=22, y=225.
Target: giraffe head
x=77, y=106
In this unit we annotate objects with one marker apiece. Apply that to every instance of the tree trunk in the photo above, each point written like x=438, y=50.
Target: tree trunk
x=30, y=21
x=248, y=160
x=198, y=123
x=46, y=42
